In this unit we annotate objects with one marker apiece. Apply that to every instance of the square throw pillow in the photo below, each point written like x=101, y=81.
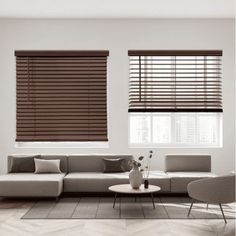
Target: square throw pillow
x=22, y=164
x=113, y=165
x=47, y=166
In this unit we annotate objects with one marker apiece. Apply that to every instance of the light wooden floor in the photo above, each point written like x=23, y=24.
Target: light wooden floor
x=11, y=225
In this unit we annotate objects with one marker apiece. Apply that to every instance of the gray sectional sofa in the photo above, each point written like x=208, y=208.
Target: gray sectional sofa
x=84, y=173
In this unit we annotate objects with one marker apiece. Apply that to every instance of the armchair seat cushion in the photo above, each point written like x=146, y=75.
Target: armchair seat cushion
x=180, y=180
x=31, y=185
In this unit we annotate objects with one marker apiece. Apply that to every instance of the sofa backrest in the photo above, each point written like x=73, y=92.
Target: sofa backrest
x=63, y=158
x=76, y=163
x=93, y=163
x=175, y=163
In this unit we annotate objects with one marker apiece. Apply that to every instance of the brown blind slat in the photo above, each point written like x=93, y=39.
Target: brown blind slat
x=61, y=95
x=175, y=81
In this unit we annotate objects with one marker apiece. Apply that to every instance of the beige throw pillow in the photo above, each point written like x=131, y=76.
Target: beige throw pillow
x=47, y=166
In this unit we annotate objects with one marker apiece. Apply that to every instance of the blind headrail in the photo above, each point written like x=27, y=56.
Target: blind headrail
x=61, y=53
x=175, y=52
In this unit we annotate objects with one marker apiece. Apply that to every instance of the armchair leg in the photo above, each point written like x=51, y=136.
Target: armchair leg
x=190, y=208
x=222, y=213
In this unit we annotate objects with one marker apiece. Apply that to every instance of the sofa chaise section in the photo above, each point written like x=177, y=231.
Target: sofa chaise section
x=31, y=185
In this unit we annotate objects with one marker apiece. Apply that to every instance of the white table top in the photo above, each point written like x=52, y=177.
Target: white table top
x=126, y=188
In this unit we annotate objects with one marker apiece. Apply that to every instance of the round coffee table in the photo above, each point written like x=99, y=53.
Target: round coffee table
x=127, y=189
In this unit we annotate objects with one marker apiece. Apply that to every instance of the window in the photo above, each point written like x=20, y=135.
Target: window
x=61, y=96
x=175, y=129
x=175, y=98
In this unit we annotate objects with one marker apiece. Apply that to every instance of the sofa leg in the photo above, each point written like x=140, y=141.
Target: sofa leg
x=190, y=208
x=57, y=199
x=222, y=213
x=207, y=206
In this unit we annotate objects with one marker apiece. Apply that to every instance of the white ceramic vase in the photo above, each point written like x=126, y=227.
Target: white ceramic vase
x=135, y=177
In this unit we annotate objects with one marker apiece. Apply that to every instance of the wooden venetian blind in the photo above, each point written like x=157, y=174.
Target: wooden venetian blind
x=175, y=81
x=61, y=95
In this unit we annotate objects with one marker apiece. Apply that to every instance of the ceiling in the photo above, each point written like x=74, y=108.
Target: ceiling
x=117, y=9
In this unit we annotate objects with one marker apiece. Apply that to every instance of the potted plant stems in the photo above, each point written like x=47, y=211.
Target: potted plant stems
x=146, y=169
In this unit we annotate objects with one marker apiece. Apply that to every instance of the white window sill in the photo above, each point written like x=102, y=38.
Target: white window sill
x=172, y=146
x=62, y=145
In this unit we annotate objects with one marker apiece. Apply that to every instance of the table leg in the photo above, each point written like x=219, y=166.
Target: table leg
x=153, y=203
x=114, y=203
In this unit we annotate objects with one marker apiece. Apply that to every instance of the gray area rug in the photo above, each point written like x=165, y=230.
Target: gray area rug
x=126, y=208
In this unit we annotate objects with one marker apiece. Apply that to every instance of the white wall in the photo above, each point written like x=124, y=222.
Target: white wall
x=118, y=36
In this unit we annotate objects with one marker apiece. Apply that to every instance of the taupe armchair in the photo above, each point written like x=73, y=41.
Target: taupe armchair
x=217, y=190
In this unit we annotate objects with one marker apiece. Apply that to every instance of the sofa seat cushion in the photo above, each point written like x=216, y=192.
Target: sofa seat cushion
x=100, y=182
x=161, y=179
x=31, y=185
x=180, y=180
